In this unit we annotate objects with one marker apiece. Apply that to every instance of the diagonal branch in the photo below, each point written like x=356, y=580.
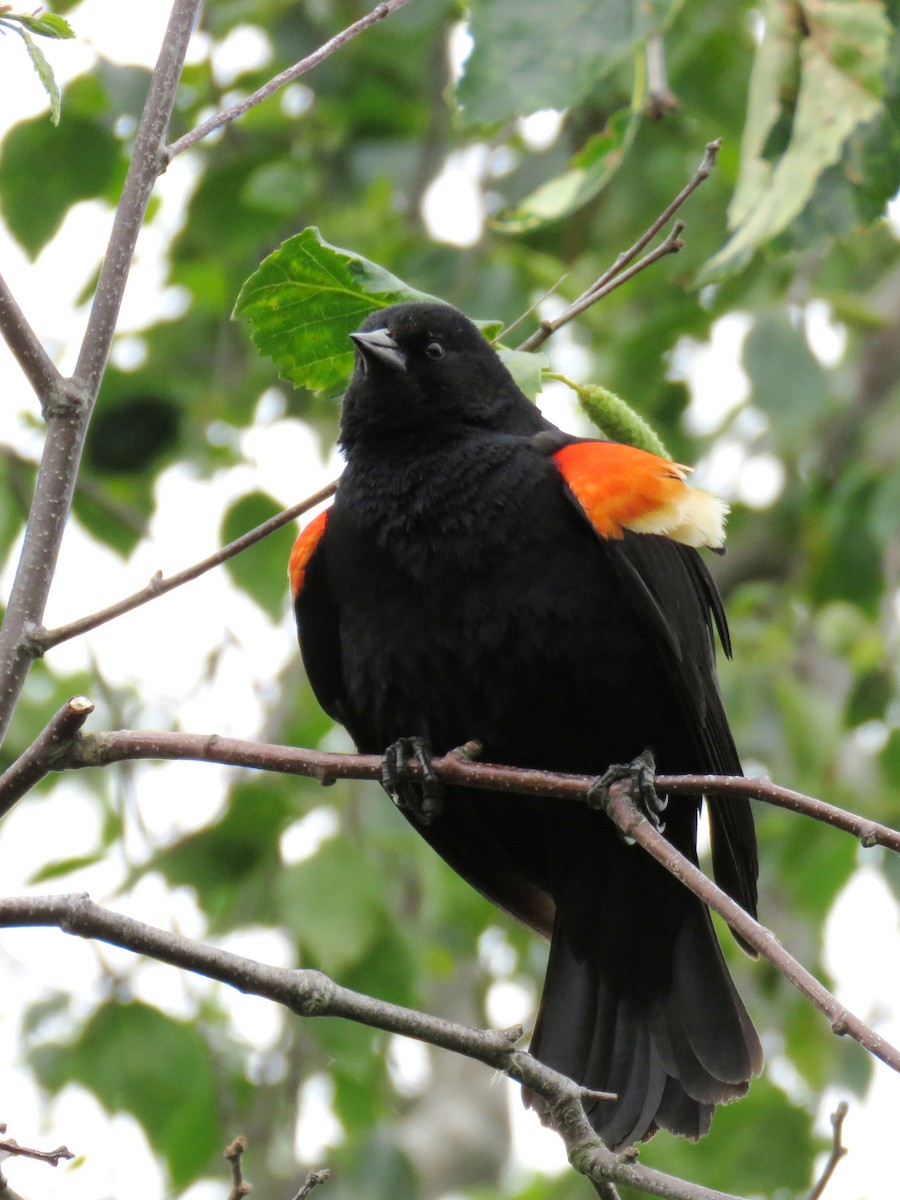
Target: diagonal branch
x=604, y=285
x=100, y=749
x=838, y=1150
x=68, y=415
x=55, y=740
x=44, y=639
x=285, y=77
x=29, y=353
x=312, y=994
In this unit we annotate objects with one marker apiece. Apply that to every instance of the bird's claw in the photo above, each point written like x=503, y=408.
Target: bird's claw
x=641, y=774
x=422, y=798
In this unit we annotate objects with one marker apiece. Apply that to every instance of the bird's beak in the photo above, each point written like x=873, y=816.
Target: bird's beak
x=378, y=345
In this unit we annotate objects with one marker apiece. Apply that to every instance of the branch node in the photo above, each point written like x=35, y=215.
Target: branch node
x=868, y=836
x=467, y=752
x=839, y=1026
x=317, y=996
x=34, y=639
x=234, y=1153
x=316, y=1178
x=512, y=1034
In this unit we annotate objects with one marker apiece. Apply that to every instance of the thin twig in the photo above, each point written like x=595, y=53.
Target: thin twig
x=38, y=760
x=51, y=1157
x=235, y=1153
x=870, y=833
x=838, y=1150
x=599, y=287
x=313, y=1180
x=671, y=245
x=309, y=993
x=44, y=639
x=68, y=414
x=288, y=76
x=26, y=346
x=621, y=808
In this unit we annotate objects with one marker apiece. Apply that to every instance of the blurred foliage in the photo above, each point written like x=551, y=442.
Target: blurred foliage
x=788, y=234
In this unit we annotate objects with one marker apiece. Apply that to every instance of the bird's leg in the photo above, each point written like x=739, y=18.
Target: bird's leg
x=421, y=798
x=641, y=774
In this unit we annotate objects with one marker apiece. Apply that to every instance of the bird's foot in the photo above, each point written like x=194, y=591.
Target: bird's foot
x=422, y=798
x=641, y=774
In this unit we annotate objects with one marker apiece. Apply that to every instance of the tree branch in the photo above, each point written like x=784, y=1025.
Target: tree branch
x=312, y=994
x=44, y=639
x=26, y=347
x=601, y=287
x=68, y=415
x=100, y=749
x=838, y=1150
x=288, y=76
x=40, y=758
x=621, y=808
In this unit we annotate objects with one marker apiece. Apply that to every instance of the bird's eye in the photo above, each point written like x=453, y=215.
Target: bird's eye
x=434, y=350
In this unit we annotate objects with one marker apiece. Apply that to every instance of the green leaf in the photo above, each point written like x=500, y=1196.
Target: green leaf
x=306, y=299
x=47, y=25
x=135, y=1059
x=525, y=58
x=730, y=1157
x=789, y=385
x=233, y=863
x=526, y=369
x=333, y=903
x=584, y=178
x=261, y=570
x=66, y=866
x=843, y=50
x=44, y=72
x=43, y=173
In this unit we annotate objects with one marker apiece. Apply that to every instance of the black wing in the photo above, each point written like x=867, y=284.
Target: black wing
x=681, y=605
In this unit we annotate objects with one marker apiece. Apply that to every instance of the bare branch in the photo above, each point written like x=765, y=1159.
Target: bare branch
x=52, y=1157
x=312, y=994
x=40, y=757
x=457, y=767
x=44, y=639
x=838, y=1150
x=99, y=749
x=29, y=353
x=870, y=833
x=235, y=1153
x=288, y=76
x=600, y=287
x=621, y=808
x=313, y=1180
x=69, y=413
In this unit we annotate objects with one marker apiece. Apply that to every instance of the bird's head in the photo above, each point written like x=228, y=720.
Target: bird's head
x=422, y=368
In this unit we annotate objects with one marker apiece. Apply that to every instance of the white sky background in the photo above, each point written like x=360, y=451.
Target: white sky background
x=282, y=458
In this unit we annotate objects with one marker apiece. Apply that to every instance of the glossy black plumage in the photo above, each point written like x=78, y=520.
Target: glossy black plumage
x=458, y=593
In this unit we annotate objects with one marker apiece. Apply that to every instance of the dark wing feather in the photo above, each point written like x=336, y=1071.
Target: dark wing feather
x=681, y=604
x=318, y=630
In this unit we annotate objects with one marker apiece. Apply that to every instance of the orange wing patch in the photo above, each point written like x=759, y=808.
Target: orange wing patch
x=303, y=550
x=620, y=487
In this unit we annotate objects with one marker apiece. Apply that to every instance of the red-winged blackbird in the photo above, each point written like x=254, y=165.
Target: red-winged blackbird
x=482, y=575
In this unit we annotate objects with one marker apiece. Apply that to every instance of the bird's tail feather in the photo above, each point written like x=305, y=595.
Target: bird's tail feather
x=671, y=1041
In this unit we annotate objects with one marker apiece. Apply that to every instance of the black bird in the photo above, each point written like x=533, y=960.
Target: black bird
x=482, y=575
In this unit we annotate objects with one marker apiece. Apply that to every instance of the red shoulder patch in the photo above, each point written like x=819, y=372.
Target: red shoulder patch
x=623, y=488
x=302, y=551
